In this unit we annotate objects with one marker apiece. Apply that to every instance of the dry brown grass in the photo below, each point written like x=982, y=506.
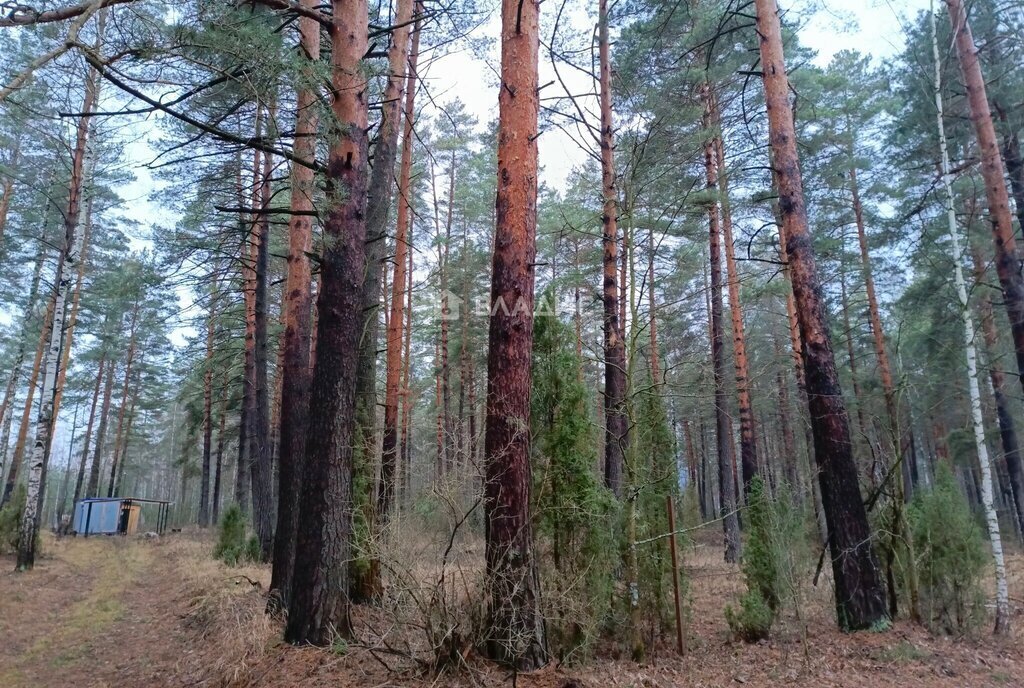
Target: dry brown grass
x=181, y=618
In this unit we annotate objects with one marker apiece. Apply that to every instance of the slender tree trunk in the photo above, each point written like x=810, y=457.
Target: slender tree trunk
x=407, y=401
x=723, y=420
x=89, y=425
x=515, y=633
x=614, y=342
x=319, y=609
x=446, y=383
x=26, y=415
x=126, y=439
x=748, y=432
x=247, y=444
x=789, y=463
x=366, y=575
x=1004, y=414
x=393, y=385
x=874, y=471
x=296, y=357
x=93, y=488
x=204, y=486
x=219, y=461
x=884, y=368
x=69, y=333
x=62, y=493
x=1000, y=213
x=260, y=457
x=7, y=187
x=7, y=409
x=81, y=166
x=860, y=597
x=123, y=408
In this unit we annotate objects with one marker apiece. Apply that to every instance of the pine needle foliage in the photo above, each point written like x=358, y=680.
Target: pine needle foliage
x=233, y=547
x=572, y=510
x=773, y=559
x=953, y=559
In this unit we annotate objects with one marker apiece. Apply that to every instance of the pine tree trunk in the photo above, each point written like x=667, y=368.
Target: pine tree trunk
x=789, y=463
x=446, y=383
x=123, y=408
x=874, y=471
x=247, y=444
x=366, y=576
x=296, y=347
x=860, y=597
x=884, y=369
x=1001, y=223
x=93, y=488
x=407, y=401
x=204, y=485
x=319, y=608
x=62, y=493
x=1004, y=414
x=748, y=432
x=723, y=420
x=89, y=425
x=219, y=461
x=614, y=342
x=393, y=384
x=7, y=188
x=1007, y=259
x=260, y=456
x=126, y=440
x=515, y=634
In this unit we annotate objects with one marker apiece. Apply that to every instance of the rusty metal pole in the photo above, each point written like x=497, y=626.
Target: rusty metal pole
x=680, y=631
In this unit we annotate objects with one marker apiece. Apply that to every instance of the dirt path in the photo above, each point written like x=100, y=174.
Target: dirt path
x=84, y=616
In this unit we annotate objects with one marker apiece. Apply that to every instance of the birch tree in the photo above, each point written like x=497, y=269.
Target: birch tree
x=1002, y=603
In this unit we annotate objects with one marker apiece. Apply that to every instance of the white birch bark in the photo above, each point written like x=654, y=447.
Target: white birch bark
x=992, y=522
x=67, y=266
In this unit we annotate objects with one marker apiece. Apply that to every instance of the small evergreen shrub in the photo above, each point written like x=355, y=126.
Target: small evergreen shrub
x=761, y=555
x=10, y=520
x=233, y=548
x=952, y=557
x=573, y=512
x=773, y=559
x=754, y=619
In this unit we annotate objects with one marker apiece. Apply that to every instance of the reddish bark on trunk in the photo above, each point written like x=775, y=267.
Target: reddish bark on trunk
x=396, y=321
x=516, y=629
x=296, y=345
x=1007, y=259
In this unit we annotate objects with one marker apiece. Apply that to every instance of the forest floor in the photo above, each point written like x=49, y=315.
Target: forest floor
x=136, y=612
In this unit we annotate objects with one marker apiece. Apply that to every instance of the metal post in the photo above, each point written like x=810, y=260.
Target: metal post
x=680, y=631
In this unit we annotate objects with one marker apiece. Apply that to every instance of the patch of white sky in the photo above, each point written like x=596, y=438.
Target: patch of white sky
x=874, y=27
